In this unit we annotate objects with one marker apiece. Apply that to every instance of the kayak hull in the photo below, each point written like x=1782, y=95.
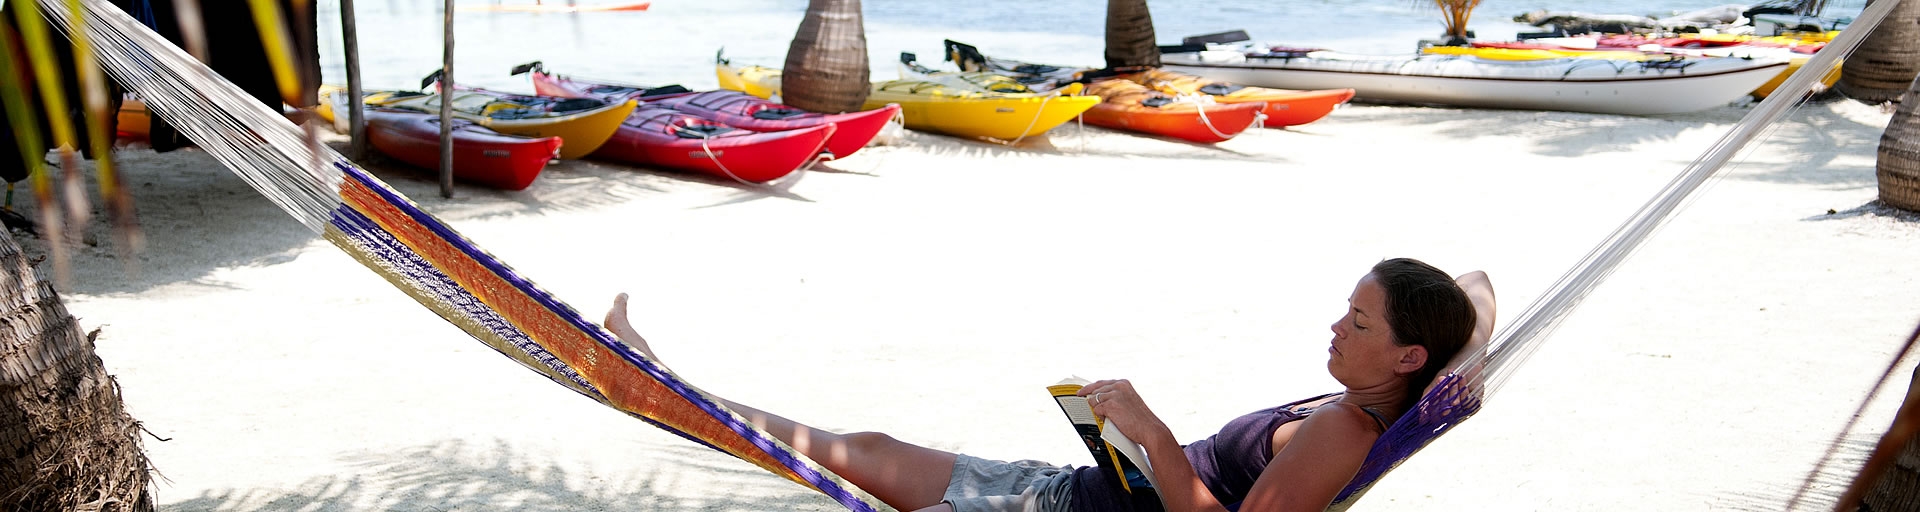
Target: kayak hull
x=852, y=130
x=668, y=138
x=1126, y=106
x=480, y=155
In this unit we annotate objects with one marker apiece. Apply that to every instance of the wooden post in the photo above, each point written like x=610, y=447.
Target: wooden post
x=446, y=105
x=356, y=111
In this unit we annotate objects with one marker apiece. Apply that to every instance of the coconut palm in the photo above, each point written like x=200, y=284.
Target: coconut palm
x=1898, y=168
x=67, y=442
x=1887, y=61
x=1897, y=484
x=826, y=68
x=1130, y=40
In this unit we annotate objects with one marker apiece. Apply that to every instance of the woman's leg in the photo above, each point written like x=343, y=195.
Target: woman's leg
x=904, y=475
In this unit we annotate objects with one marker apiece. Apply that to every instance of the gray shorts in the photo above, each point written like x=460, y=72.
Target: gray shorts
x=981, y=485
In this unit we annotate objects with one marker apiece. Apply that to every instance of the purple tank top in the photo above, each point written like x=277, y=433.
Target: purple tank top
x=1228, y=463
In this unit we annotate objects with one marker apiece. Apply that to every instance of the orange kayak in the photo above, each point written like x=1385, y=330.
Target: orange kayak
x=1127, y=105
x=1285, y=107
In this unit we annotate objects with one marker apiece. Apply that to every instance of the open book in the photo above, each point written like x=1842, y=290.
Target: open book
x=1121, y=457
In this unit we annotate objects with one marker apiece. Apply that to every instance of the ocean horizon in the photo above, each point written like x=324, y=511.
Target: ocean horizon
x=675, y=41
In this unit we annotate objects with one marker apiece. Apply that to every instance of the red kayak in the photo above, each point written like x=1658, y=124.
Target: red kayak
x=480, y=155
x=665, y=137
x=853, y=130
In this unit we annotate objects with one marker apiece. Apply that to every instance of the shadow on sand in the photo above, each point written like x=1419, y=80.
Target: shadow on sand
x=198, y=217
x=453, y=475
x=1819, y=490
x=1812, y=128
x=1072, y=140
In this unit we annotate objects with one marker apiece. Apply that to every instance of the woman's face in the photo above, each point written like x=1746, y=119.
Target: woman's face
x=1364, y=353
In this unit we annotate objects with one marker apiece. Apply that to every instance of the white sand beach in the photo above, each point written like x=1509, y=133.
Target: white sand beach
x=932, y=288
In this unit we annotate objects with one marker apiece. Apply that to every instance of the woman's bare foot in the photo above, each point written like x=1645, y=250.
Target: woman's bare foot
x=616, y=322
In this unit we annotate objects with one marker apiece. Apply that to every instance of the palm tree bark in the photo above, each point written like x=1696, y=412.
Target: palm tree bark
x=1898, y=167
x=1899, y=487
x=1887, y=61
x=66, y=442
x=826, y=68
x=1130, y=40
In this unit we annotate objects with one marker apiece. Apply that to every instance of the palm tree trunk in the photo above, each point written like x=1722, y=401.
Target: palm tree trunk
x=826, y=69
x=1899, y=487
x=1887, y=61
x=1898, y=167
x=66, y=443
x=1130, y=40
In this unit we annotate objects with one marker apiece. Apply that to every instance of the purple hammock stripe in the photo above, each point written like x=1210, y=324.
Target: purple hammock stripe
x=1440, y=410
x=752, y=435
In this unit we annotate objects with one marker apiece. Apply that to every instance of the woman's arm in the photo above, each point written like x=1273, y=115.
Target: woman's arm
x=1180, y=488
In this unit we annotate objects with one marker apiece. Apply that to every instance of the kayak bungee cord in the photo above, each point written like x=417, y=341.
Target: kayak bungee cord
x=704, y=137
x=1036, y=118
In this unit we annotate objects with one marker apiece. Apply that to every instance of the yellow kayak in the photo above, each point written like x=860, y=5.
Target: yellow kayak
x=582, y=126
x=1794, y=64
x=1537, y=53
x=961, y=109
x=755, y=80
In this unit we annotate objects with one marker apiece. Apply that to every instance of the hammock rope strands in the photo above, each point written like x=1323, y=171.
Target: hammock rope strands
x=1459, y=395
x=422, y=256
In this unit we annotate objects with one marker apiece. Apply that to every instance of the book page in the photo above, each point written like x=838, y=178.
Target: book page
x=1131, y=450
x=1105, y=442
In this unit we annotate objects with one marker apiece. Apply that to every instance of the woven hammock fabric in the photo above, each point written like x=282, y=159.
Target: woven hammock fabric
x=466, y=286
x=420, y=255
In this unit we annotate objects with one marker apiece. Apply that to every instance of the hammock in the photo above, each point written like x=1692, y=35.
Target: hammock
x=422, y=256
x=463, y=284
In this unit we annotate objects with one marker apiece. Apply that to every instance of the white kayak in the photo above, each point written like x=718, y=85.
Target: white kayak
x=1574, y=85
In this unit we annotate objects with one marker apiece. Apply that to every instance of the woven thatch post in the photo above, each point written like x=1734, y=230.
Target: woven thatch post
x=826, y=68
x=446, y=104
x=356, y=111
x=67, y=442
x=1886, y=63
x=1130, y=39
x=1898, y=168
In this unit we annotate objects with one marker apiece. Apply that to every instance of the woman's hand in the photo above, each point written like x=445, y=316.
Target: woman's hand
x=1116, y=401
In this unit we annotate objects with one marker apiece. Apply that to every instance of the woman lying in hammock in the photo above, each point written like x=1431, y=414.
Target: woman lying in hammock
x=1405, y=321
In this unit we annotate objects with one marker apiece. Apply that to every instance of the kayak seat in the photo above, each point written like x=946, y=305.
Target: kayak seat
x=1219, y=89
x=775, y=112
x=697, y=130
x=664, y=90
x=574, y=105
x=612, y=90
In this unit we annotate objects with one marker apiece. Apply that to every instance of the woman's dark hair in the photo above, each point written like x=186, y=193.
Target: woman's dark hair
x=1426, y=308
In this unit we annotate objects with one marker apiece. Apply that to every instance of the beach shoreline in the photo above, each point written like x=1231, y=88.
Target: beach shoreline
x=931, y=289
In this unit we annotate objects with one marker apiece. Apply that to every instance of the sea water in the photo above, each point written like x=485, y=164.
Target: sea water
x=676, y=41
